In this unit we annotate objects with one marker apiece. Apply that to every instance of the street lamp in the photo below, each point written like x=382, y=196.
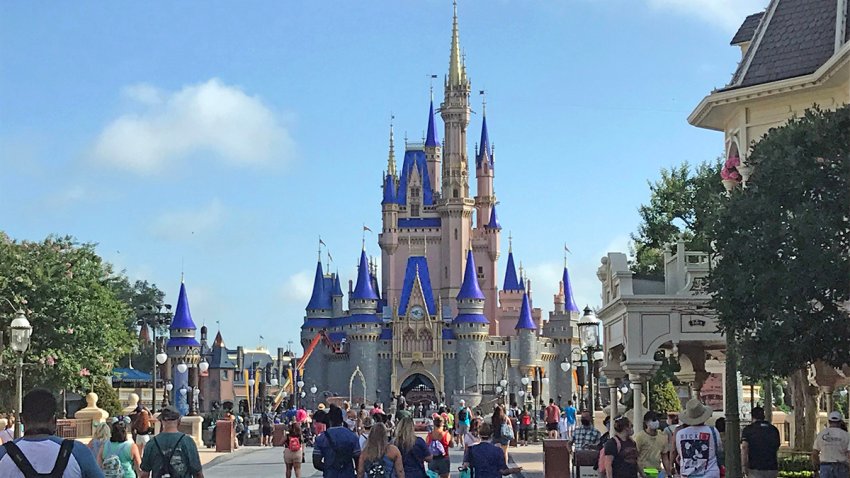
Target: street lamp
x=155, y=316
x=588, y=328
x=20, y=342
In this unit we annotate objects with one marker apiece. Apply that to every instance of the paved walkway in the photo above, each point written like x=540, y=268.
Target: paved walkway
x=268, y=462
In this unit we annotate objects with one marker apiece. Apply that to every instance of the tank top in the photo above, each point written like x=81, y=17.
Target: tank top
x=697, y=448
x=122, y=451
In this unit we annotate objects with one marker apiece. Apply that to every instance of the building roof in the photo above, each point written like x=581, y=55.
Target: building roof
x=386, y=334
x=220, y=358
x=494, y=219
x=470, y=289
x=389, y=190
x=795, y=38
x=471, y=318
x=219, y=340
x=414, y=160
x=511, y=280
x=748, y=29
x=569, y=300
x=448, y=334
x=316, y=323
x=417, y=266
x=337, y=290
x=321, y=298
x=336, y=337
x=419, y=222
x=484, y=145
x=356, y=319
x=431, y=138
x=525, y=321
x=182, y=314
x=183, y=342
x=363, y=290
x=129, y=375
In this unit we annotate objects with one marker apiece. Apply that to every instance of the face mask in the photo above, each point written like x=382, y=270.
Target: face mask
x=653, y=425
x=630, y=431
x=585, y=422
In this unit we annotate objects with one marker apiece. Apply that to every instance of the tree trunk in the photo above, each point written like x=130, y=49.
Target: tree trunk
x=812, y=409
x=797, y=383
x=732, y=443
x=767, y=393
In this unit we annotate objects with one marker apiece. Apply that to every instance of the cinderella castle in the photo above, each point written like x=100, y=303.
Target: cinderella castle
x=436, y=326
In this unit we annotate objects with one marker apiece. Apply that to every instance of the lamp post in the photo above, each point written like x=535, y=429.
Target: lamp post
x=20, y=342
x=154, y=316
x=588, y=328
x=288, y=361
x=313, y=391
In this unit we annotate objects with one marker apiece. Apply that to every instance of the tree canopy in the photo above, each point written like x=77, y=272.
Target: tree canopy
x=783, y=279
x=682, y=202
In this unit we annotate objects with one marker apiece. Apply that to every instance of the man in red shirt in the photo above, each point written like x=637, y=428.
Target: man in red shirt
x=553, y=414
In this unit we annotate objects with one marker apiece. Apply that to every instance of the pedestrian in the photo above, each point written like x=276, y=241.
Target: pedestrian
x=471, y=437
x=759, y=447
x=293, y=452
x=439, y=443
x=337, y=450
x=40, y=450
x=650, y=446
x=501, y=429
x=586, y=436
x=8, y=433
x=402, y=412
x=514, y=414
x=524, y=426
x=266, y=429
x=829, y=455
x=368, y=423
x=620, y=452
x=570, y=412
x=320, y=419
x=414, y=449
x=100, y=435
x=485, y=459
x=552, y=416
x=118, y=457
x=171, y=452
x=464, y=418
x=142, y=427
x=697, y=446
x=228, y=415
x=380, y=458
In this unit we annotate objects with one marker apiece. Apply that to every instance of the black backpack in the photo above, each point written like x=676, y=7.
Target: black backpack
x=166, y=470
x=462, y=415
x=26, y=467
x=342, y=456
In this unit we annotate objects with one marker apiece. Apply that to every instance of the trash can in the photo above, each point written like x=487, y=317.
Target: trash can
x=556, y=458
x=224, y=436
x=279, y=435
x=585, y=460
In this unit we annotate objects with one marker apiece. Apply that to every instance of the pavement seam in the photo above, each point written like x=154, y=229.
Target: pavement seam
x=225, y=458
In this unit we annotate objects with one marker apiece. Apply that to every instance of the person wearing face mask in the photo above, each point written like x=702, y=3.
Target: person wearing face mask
x=651, y=444
x=586, y=437
x=621, y=454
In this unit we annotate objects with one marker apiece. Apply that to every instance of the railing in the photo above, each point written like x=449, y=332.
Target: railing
x=74, y=428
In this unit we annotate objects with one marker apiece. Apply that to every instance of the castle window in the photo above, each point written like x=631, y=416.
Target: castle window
x=414, y=210
x=224, y=375
x=455, y=193
x=455, y=233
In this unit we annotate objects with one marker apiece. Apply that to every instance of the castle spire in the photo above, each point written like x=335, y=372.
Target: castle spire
x=511, y=281
x=319, y=298
x=569, y=300
x=470, y=288
x=431, y=139
x=391, y=159
x=363, y=290
x=455, y=67
x=525, y=321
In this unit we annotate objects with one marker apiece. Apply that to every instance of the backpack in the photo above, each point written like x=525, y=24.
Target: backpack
x=26, y=468
x=112, y=464
x=506, y=430
x=166, y=470
x=526, y=420
x=342, y=456
x=462, y=415
x=600, y=464
x=436, y=447
x=294, y=444
x=378, y=469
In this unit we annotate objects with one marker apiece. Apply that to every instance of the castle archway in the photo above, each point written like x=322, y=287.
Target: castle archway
x=417, y=389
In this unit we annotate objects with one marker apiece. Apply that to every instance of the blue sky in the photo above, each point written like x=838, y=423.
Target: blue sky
x=223, y=139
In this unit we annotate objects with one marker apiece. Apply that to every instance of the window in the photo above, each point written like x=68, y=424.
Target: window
x=455, y=233
x=237, y=376
x=455, y=193
x=224, y=375
x=414, y=210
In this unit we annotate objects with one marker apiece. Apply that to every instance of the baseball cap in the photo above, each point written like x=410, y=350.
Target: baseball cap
x=169, y=413
x=835, y=416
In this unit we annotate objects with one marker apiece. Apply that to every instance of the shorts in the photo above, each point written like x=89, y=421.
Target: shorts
x=462, y=429
x=142, y=440
x=441, y=465
x=552, y=427
x=291, y=457
x=267, y=431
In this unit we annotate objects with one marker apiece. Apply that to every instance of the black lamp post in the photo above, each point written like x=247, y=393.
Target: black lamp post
x=155, y=316
x=588, y=328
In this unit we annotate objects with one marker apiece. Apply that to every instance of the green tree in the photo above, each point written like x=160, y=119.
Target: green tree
x=781, y=287
x=79, y=325
x=138, y=295
x=663, y=397
x=107, y=397
x=683, y=202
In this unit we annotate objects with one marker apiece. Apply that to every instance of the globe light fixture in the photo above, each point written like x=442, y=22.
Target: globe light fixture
x=251, y=382
x=545, y=380
x=521, y=393
x=313, y=389
x=565, y=366
x=161, y=358
x=598, y=355
x=499, y=389
x=182, y=391
x=503, y=383
x=624, y=389
x=203, y=366
x=182, y=367
x=588, y=328
x=303, y=394
x=21, y=333
x=274, y=382
x=524, y=380
x=169, y=387
x=300, y=384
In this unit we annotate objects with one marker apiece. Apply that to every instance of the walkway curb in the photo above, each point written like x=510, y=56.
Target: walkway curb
x=225, y=458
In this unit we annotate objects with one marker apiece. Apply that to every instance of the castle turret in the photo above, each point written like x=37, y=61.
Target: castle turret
x=182, y=347
x=363, y=299
x=433, y=149
x=336, y=296
x=485, y=197
x=560, y=330
x=527, y=335
x=471, y=327
x=320, y=307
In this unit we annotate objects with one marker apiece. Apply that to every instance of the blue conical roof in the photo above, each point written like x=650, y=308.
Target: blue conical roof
x=431, y=138
x=363, y=290
x=320, y=298
x=484, y=144
x=494, y=219
x=569, y=300
x=470, y=289
x=389, y=190
x=525, y=321
x=182, y=315
x=337, y=286
x=511, y=280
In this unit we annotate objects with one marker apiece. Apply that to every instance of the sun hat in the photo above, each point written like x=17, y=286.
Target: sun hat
x=696, y=413
x=321, y=406
x=368, y=423
x=836, y=416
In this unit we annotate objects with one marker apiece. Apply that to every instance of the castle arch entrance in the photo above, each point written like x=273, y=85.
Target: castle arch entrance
x=419, y=389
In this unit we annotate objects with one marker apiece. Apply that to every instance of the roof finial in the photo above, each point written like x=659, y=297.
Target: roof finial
x=510, y=242
x=321, y=243
x=182, y=270
x=455, y=71
x=483, y=94
x=566, y=250
x=391, y=160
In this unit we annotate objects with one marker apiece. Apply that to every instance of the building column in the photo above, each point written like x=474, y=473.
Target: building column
x=637, y=405
x=615, y=409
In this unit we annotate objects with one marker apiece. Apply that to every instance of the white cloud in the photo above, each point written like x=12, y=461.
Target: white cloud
x=181, y=225
x=298, y=287
x=725, y=14
x=210, y=117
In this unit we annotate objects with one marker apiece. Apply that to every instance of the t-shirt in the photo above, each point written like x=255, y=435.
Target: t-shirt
x=571, y=415
x=470, y=440
x=7, y=434
x=697, y=449
x=625, y=455
x=486, y=460
x=467, y=420
x=762, y=440
x=42, y=454
x=343, y=439
x=649, y=449
x=185, y=460
x=414, y=459
x=833, y=444
x=552, y=413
